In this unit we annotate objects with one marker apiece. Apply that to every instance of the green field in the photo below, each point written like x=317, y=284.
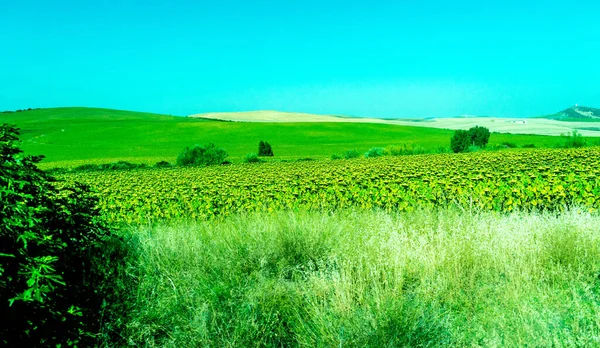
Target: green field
x=73, y=136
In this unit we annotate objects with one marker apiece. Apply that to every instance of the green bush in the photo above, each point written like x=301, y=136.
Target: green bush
x=475, y=136
x=336, y=156
x=460, y=141
x=403, y=150
x=264, y=149
x=203, y=155
x=508, y=145
x=374, y=152
x=252, y=158
x=162, y=164
x=348, y=154
x=479, y=136
x=574, y=140
x=49, y=237
x=528, y=146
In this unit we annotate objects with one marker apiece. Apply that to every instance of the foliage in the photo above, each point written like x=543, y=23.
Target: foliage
x=403, y=150
x=528, y=146
x=574, y=140
x=48, y=238
x=349, y=154
x=252, y=158
x=162, y=164
x=545, y=179
x=460, y=141
x=475, y=136
x=264, y=149
x=479, y=136
x=374, y=152
x=203, y=155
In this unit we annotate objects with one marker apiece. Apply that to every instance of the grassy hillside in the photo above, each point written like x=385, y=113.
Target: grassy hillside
x=577, y=113
x=73, y=136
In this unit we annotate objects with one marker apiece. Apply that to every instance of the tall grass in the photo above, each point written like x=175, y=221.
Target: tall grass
x=355, y=278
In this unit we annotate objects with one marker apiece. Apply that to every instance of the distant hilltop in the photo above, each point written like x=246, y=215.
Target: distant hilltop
x=577, y=113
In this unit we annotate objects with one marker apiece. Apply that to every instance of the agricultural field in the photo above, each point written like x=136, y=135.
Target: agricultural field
x=548, y=179
x=70, y=137
x=490, y=248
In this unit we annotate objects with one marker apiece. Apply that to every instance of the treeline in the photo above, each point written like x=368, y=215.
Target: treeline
x=19, y=110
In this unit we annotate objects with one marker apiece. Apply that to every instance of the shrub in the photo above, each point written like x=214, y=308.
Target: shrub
x=475, y=136
x=509, y=145
x=264, y=149
x=574, y=140
x=403, y=150
x=49, y=237
x=348, y=154
x=374, y=152
x=460, y=141
x=162, y=164
x=528, y=146
x=336, y=156
x=203, y=155
x=252, y=158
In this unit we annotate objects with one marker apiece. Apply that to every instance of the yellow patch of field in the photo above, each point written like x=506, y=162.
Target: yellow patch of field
x=541, y=126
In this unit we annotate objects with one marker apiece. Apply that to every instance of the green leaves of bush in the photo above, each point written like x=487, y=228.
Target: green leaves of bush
x=201, y=155
x=476, y=136
x=48, y=235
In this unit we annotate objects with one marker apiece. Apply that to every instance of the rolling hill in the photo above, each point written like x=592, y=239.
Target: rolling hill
x=74, y=136
x=577, y=113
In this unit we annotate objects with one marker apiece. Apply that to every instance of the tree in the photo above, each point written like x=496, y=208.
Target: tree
x=50, y=236
x=475, y=136
x=479, y=136
x=460, y=141
x=264, y=149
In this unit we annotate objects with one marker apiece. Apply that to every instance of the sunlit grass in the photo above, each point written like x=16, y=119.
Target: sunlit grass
x=363, y=278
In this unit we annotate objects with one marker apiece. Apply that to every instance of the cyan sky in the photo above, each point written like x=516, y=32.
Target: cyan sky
x=368, y=58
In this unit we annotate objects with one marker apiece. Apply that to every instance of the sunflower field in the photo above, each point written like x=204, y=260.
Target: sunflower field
x=548, y=179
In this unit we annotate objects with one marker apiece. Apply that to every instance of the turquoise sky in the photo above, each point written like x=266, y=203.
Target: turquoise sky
x=367, y=58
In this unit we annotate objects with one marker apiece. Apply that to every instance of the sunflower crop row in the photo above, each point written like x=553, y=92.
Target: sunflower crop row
x=547, y=179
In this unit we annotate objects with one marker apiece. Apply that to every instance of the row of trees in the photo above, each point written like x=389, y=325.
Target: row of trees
x=210, y=154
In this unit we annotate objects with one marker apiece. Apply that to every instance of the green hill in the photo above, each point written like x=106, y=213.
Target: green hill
x=577, y=113
x=74, y=136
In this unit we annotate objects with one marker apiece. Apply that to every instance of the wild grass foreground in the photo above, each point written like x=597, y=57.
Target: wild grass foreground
x=362, y=278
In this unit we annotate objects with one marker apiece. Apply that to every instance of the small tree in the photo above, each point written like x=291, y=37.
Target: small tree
x=264, y=149
x=476, y=136
x=479, y=136
x=460, y=141
x=203, y=155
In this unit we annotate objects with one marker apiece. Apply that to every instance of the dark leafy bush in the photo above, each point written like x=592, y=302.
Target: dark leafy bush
x=509, y=145
x=374, y=152
x=162, y=164
x=201, y=155
x=460, y=141
x=528, y=146
x=252, y=158
x=475, y=136
x=49, y=237
x=479, y=136
x=573, y=140
x=264, y=149
x=351, y=154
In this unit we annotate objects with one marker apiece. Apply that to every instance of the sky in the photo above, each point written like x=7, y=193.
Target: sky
x=404, y=58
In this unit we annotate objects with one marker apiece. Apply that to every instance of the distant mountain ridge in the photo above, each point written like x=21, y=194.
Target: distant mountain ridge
x=577, y=113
